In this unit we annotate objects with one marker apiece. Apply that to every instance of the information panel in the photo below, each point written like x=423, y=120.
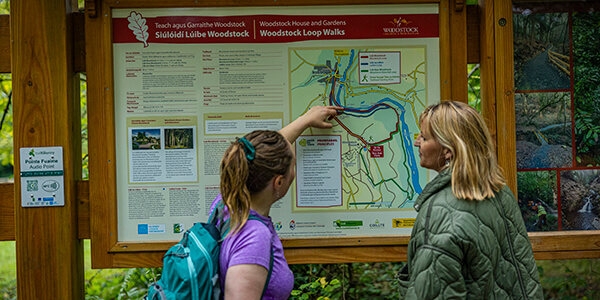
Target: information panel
x=188, y=81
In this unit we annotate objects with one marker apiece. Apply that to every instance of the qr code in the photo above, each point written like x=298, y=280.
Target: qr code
x=32, y=185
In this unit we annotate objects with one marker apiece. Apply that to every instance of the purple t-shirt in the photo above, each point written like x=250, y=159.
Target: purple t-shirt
x=252, y=245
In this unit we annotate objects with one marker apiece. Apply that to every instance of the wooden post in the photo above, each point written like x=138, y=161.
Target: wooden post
x=46, y=114
x=505, y=91
x=453, y=51
x=458, y=51
x=497, y=82
x=486, y=71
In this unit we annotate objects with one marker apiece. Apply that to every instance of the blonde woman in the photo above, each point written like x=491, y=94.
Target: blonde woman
x=469, y=240
x=256, y=171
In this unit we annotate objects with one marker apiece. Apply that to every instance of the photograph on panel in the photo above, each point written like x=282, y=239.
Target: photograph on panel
x=541, y=45
x=179, y=138
x=145, y=139
x=543, y=130
x=586, y=78
x=580, y=199
x=538, y=200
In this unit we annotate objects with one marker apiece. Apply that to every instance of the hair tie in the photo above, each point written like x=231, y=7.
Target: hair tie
x=248, y=148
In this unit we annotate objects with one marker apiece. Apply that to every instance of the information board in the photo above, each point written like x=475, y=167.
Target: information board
x=188, y=81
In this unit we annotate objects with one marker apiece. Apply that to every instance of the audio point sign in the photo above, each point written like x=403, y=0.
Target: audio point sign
x=42, y=177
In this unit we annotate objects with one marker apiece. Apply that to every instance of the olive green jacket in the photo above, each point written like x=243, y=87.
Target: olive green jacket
x=464, y=249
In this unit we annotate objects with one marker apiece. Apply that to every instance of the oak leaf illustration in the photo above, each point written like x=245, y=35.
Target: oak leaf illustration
x=138, y=25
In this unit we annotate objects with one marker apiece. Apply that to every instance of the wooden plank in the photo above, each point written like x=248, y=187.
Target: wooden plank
x=137, y=260
x=487, y=69
x=345, y=254
x=83, y=209
x=239, y=3
x=5, y=44
x=101, y=132
x=458, y=53
x=565, y=241
x=473, y=34
x=360, y=241
x=46, y=113
x=78, y=43
x=327, y=255
x=505, y=97
x=566, y=255
x=445, y=54
x=7, y=212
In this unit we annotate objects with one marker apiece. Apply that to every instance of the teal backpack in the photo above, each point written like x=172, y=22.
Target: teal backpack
x=191, y=267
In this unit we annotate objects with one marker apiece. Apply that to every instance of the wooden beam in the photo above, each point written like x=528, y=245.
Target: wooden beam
x=46, y=113
x=103, y=220
x=473, y=34
x=487, y=67
x=505, y=96
x=458, y=52
x=4, y=44
x=78, y=44
x=7, y=212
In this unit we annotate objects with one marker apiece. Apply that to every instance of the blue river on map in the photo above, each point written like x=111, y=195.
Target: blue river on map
x=405, y=131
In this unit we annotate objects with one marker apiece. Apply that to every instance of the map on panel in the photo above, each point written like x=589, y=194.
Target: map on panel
x=383, y=90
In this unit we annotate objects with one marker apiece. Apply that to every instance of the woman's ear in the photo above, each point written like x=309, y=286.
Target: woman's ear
x=447, y=154
x=277, y=181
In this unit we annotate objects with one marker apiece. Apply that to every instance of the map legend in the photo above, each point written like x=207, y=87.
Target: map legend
x=379, y=67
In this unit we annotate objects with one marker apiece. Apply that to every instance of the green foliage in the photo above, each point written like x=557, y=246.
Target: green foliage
x=587, y=130
x=6, y=132
x=537, y=186
x=586, y=73
x=317, y=288
x=128, y=284
x=474, y=91
x=346, y=281
x=4, y=7
x=570, y=279
x=8, y=269
x=84, y=126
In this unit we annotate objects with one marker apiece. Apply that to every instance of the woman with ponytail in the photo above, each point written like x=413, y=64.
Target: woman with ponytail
x=469, y=240
x=256, y=171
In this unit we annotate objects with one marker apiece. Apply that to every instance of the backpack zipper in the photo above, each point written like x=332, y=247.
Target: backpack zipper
x=206, y=255
x=192, y=272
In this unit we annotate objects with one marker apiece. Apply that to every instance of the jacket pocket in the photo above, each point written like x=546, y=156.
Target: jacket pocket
x=403, y=280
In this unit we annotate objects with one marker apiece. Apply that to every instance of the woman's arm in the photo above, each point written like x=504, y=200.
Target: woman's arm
x=245, y=281
x=317, y=117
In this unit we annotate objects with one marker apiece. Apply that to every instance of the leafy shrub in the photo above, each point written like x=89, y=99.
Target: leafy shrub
x=128, y=284
x=346, y=281
x=570, y=279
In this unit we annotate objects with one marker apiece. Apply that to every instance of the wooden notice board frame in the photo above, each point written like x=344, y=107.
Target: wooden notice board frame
x=107, y=251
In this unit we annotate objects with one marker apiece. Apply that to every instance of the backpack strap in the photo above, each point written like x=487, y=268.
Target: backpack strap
x=216, y=218
x=251, y=217
x=224, y=226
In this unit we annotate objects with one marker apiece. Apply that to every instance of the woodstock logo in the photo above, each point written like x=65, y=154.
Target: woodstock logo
x=138, y=25
x=398, y=22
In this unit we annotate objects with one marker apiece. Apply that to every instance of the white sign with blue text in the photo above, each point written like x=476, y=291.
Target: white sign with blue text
x=42, y=177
